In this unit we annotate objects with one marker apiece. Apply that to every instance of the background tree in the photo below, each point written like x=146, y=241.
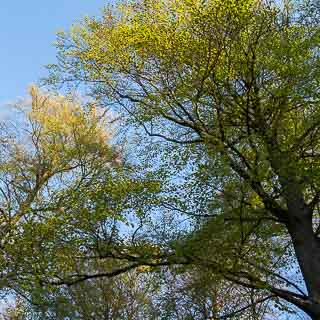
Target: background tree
x=64, y=194
x=137, y=295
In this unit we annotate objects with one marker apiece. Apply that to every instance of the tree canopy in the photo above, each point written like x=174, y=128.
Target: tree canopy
x=217, y=184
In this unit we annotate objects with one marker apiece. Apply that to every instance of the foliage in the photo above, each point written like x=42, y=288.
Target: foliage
x=65, y=193
x=232, y=88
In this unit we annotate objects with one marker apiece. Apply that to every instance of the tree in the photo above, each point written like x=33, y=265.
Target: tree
x=234, y=84
x=16, y=312
x=35, y=161
x=63, y=192
x=71, y=211
x=136, y=295
x=124, y=297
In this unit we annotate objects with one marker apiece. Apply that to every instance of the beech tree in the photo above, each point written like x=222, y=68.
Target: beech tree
x=234, y=87
x=56, y=161
x=56, y=147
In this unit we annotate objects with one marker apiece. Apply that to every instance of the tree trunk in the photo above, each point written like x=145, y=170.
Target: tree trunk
x=307, y=250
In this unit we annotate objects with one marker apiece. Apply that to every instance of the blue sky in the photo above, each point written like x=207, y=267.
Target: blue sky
x=27, y=31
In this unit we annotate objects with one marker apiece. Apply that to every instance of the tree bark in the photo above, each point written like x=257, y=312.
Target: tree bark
x=307, y=249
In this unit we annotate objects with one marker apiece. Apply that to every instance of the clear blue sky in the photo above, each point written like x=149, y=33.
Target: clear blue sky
x=27, y=31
